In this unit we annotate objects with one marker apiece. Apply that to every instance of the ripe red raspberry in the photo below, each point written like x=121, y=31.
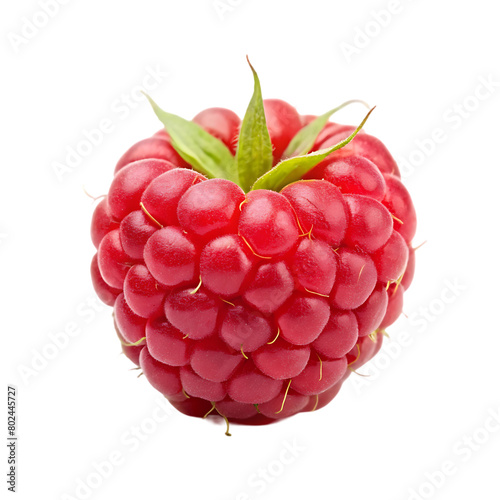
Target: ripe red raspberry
x=249, y=291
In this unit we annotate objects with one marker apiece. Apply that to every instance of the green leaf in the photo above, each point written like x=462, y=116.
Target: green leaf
x=293, y=169
x=207, y=154
x=254, y=156
x=303, y=141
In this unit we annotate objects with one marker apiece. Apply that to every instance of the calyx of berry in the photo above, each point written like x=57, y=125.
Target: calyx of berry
x=252, y=166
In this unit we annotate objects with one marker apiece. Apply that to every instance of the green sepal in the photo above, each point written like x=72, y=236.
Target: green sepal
x=207, y=154
x=304, y=139
x=293, y=169
x=254, y=156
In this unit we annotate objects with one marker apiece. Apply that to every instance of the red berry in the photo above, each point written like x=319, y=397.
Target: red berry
x=394, y=306
x=210, y=208
x=171, y=257
x=132, y=352
x=113, y=262
x=356, y=279
x=129, y=183
x=315, y=266
x=167, y=344
x=162, y=377
x=268, y=224
x=249, y=385
x=135, y=230
x=162, y=195
x=142, y=292
x=221, y=123
x=131, y=326
x=225, y=265
x=339, y=335
x=302, y=318
x=284, y=404
x=353, y=175
x=391, y=259
x=371, y=313
x=245, y=329
x=105, y=292
x=370, y=224
x=271, y=286
x=281, y=360
x=199, y=387
x=283, y=122
x=398, y=202
x=151, y=148
x=252, y=305
x=319, y=375
x=193, y=312
x=233, y=409
x=214, y=360
x=410, y=270
x=102, y=222
x=320, y=209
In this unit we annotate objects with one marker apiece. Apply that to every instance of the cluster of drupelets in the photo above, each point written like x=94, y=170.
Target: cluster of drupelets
x=254, y=306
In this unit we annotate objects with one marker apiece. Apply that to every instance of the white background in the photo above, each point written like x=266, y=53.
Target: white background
x=384, y=435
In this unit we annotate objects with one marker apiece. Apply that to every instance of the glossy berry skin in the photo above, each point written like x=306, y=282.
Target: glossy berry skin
x=254, y=305
x=221, y=123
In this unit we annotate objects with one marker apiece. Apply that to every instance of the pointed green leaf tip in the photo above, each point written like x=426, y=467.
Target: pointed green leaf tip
x=207, y=154
x=304, y=140
x=254, y=156
x=293, y=169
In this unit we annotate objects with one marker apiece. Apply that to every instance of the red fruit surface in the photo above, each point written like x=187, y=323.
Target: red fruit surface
x=194, y=313
x=268, y=223
x=113, y=262
x=370, y=223
x=171, y=256
x=225, y=265
x=153, y=148
x=167, y=344
x=143, y=293
x=102, y=222
x=353, y=175
x=372, y=311
x=320, y=209
x=339, y=335
x=302, y=318
x=281, y=360
x=398, y=202
x=245, y=329
x=315, y=266
x=105, y=292
x=283, y=122
x=271, y=286
x=355, y=281
x=130, y=182
x=210, y=208
x=221, y=123
x=253, y=306
x=162, y=195
x=135, y=231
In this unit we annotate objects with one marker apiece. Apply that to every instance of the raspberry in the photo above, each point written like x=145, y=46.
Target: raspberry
x=248, y=282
